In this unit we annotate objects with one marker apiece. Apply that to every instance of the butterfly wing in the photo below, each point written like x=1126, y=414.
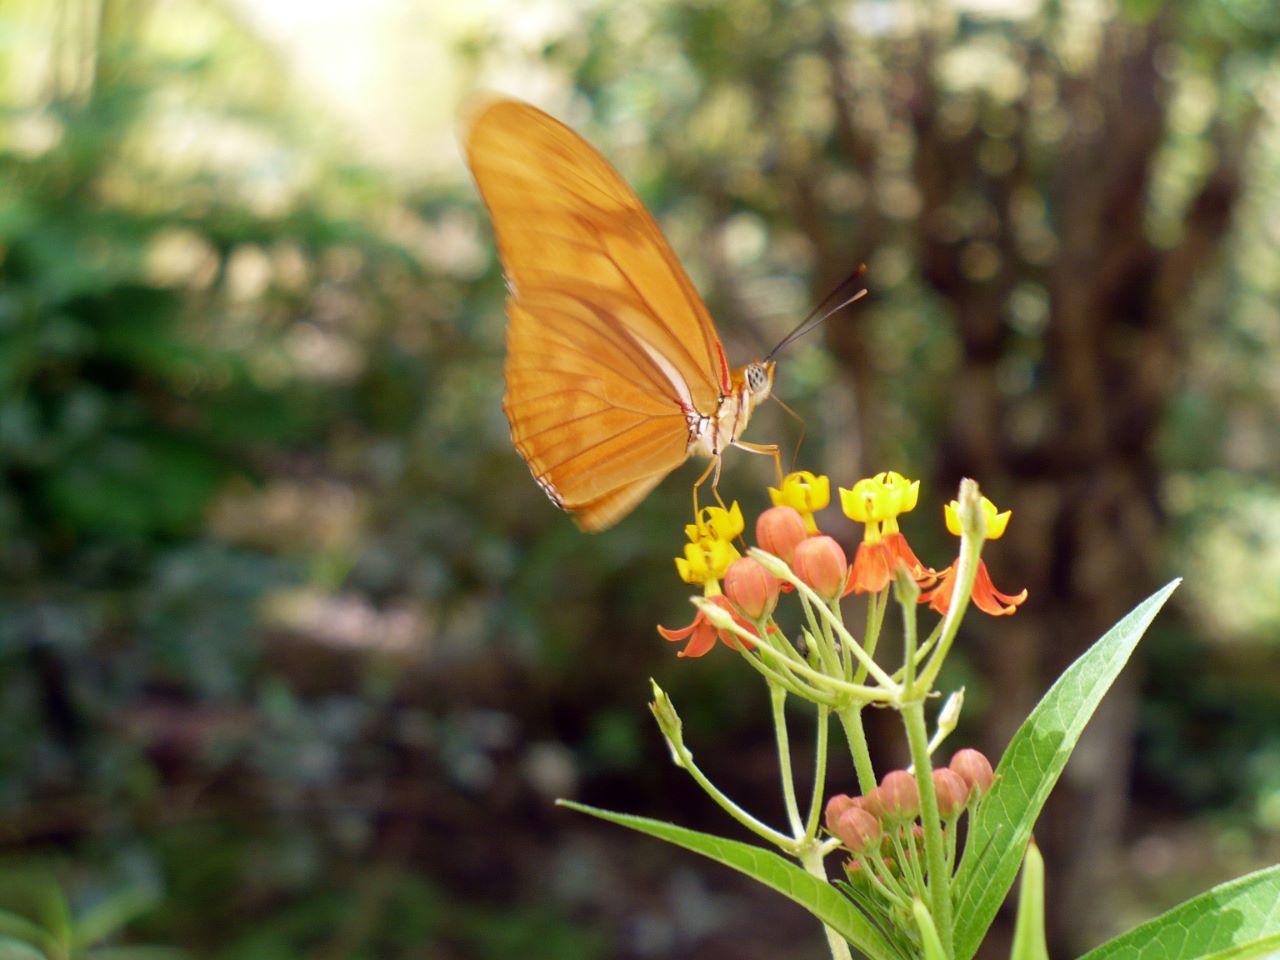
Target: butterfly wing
x=609, y=348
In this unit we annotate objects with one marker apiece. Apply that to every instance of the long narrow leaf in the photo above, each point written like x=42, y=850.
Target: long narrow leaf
x=1030, y=767
x=819, y=897
x=1028, y=931
x=1239, y=920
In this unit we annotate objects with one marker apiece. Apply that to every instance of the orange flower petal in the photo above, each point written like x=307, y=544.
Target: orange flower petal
x=985, y=595
x=872, y=569
x=901, y=550
x=702, y=635
x=677, y=635
x=990, y=600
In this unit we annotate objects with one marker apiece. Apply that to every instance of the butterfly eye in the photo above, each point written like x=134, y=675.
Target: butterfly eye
x=757, y=378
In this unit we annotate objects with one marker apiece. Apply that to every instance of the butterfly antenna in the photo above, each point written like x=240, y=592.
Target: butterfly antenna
x=809, y=324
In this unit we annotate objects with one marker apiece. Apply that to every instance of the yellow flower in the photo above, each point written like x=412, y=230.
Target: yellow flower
x=879, y=500
x=705, y=562
x=805, y=492
x=716, y=523
x=710, y=549
x=996, y=521
x=985, y=596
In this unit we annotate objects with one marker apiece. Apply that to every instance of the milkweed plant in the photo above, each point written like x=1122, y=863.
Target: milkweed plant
x=914, y=863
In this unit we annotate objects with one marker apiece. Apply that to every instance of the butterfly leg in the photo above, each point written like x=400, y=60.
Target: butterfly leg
x=712, y=471
x=768, y=449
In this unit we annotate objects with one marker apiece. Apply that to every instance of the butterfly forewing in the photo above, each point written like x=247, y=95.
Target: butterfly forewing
x=610, y=350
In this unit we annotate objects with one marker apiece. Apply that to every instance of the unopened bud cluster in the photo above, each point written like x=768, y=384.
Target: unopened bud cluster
x=883, y=821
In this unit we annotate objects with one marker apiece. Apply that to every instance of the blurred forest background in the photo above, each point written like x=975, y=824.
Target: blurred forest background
x=293, y=654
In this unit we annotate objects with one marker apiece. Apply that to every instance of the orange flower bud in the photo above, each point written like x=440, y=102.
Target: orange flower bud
x=899, y=796
x=975, y=769
x=858, y=830
x=779, y=529
x=753, y=588
x=952, y=791
x=820, y=562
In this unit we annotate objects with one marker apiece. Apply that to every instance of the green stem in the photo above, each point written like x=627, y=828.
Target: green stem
x=851, y=720
x=930, y=938
x=819, y=774
x=921, y=652
x=966, y=571
x=949, y=833
x=884, y=879
x=821, y=634
x=869, y=665
x=778, y=700
x=908, y=605
x=811, y=860
x=912, y=871
x=935, y=854
x=762, y=830
x=807, y=595
x=779, y=678
x=876, y=605
x=832, y=686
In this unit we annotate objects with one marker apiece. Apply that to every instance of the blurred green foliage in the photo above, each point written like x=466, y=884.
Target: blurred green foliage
x=289, y=640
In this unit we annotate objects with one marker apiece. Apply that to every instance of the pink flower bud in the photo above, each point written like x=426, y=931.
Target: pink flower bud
x=779, y=529
x=858, y=830
x=952, y=791
x=899, y=796
x=820, y=562
x=753, y=588
x=871, y=803
x=836, y=806
x=975, y=769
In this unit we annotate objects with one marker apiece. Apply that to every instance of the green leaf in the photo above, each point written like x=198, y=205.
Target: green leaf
x=1238, y=920
x=1028, y=934
x=111, y=915
x=819, y=897
x=1030, y=767
x=11, y=949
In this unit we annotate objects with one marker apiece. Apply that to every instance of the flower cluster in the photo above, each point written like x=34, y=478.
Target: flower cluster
x=860, y=823
x=709, y=557
x=789, y=531
x=901, y=834
x=880, y=829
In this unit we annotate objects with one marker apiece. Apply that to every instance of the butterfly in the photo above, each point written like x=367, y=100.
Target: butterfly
x=615, y=374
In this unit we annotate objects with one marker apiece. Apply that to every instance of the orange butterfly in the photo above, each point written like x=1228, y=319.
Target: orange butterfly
x=615, y=374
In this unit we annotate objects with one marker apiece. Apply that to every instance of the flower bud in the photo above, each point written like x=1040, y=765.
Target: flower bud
x=664, y=711
x=899, y=796
x=820, y=562
x=837, y=805
x=871, y=803
x=779, y=529
x=975, y=769
x=752, y=588
x=952, y=791
x=858, y=830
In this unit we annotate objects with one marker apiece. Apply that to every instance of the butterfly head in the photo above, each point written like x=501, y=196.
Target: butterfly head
x=758, y=377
